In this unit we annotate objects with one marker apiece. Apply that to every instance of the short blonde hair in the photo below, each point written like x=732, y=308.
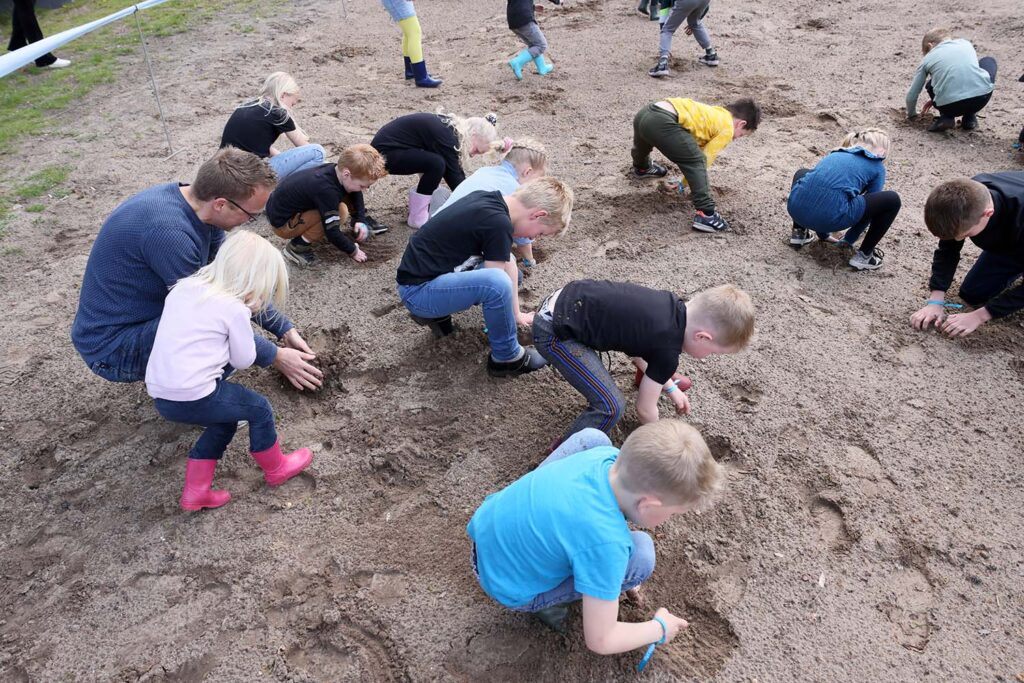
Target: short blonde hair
x=729, y=312
x=277, y=84
x=247, y=267
x=552, y=195
x=871, y=137
x=954, y=206
x=528, y=152
x=934, y=37
x=363, y=161
x=671, y=460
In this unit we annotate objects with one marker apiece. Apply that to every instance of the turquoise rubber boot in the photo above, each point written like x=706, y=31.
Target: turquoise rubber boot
x=542, y=66
x=518, y=62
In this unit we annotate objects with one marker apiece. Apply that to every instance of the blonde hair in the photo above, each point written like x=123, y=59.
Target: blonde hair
x=875, y=138
x=527, y=152
x=728, y=311
x=277, y=84
x=934, y=37
x=481, y=128
x=363, y=161
x=551, y=195
x=248, y=268
x=671, y=460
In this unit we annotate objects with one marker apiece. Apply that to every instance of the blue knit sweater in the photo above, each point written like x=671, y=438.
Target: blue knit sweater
x=146, y=245
x=831, y=196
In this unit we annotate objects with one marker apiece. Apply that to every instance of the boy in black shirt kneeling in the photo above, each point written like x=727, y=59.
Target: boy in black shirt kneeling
x=437, y=277
x=652, y=326
x=311, y=205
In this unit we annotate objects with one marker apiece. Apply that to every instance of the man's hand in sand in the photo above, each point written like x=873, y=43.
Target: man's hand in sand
x=295, y=366
x=673, y=623
x=962, y=324
x=932, y=313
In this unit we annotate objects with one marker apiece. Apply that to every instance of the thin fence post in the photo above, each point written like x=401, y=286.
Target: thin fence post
x=152, y=80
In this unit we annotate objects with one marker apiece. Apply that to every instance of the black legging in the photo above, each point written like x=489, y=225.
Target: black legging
x=972, y=105
x=25, y=30
x=413, y=161
x=880, y=210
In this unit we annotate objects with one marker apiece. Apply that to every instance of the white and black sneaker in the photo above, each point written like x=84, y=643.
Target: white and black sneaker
x=652, y=171
x=709, y=223
x=660, y=69
x=800, y=237
x=710, y=58
x=862, y=261
x=302, y=256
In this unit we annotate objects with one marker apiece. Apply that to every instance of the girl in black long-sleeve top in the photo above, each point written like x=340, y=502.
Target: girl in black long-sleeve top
x=437, y=146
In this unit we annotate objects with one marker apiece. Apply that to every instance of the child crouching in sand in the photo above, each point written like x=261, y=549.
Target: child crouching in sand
x=844, y=190
x=652, y=326
x=561, y=532
x=204, y=331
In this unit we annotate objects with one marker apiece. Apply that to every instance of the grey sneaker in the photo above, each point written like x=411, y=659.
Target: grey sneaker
x=300, y=256
x=861, y=261
x=712, y=223
x=660, y=69
x=652, y=171
x=800, y=237
x=710, y=58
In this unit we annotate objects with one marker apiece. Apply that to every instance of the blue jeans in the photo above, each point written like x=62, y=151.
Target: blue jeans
x=296, y=159
x=128, y=362
x=454, y=292
x=219, y=413
x=582, y=368
x=989, y=276
x=641, y=560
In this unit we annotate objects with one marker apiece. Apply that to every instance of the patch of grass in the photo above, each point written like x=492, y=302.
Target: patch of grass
x=30, y=96
x=46, y=181
x=35, y=208
x=11, y=251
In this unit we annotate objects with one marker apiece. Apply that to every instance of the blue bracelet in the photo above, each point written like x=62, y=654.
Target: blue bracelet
x=943, y=304
x=650, y=648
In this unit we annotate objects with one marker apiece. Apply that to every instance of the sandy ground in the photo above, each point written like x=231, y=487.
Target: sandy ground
x=872, y=529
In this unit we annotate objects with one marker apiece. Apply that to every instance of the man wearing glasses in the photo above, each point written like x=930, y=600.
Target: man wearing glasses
x=158, y=237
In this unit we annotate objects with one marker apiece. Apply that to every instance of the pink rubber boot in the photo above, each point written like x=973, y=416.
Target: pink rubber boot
x=278, y=467
x=419, y=209
x=197, y=493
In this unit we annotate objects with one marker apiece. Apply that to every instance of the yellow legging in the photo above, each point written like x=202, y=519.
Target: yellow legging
x=412, y=44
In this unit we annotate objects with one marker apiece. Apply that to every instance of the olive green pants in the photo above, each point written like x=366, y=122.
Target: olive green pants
x=655, y=128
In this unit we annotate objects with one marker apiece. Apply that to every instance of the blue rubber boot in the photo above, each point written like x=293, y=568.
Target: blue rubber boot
x=542, y=66
x=423, y=79
x=518, y=62
x=408, y=69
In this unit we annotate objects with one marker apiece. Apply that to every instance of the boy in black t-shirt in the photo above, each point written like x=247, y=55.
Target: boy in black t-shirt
x=988, y=209
x=436, y=276
x=311, y=205
x=651, y=326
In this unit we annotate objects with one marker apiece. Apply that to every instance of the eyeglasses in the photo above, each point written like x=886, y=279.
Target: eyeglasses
x=253, y=217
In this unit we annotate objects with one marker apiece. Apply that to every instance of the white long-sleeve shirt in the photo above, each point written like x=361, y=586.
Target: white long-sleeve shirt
x=195, y=340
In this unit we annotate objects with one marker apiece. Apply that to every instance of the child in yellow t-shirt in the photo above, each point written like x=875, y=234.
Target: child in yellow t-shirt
x=691, y=135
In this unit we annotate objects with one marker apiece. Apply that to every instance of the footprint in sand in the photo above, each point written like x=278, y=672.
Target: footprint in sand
x=909, y=608
x=831, y=522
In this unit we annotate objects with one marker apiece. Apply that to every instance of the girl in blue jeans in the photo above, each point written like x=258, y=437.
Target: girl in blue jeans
x=257, y=123
x=205, y=330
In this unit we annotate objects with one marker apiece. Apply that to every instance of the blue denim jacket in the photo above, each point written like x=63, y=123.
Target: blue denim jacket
x=831, y=196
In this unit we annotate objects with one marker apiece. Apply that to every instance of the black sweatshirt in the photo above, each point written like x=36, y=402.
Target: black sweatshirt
x=1003, y=236
x=316, y=188
x=429, y=132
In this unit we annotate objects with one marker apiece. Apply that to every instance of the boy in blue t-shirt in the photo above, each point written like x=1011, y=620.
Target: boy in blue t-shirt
x=561, y=533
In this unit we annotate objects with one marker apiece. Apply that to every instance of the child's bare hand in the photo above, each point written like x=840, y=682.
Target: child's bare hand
x=682, y=402
x=524, y=319
x=362, y=232
x=962, y=324
x=932, y=313
x=673, y=623
x=358, y=255
x=927, y=106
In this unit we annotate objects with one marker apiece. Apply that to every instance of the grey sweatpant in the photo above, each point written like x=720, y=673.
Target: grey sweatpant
x=535, y=41
x=691, y=11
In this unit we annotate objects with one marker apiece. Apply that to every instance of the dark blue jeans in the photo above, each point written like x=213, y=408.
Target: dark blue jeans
x=990, y=275
x=220, y=413
x=128, y=362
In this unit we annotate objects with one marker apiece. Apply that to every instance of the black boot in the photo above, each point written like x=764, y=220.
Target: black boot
x=642, y=7
x=554, y=617
x=969, y=121
x=441, y=327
